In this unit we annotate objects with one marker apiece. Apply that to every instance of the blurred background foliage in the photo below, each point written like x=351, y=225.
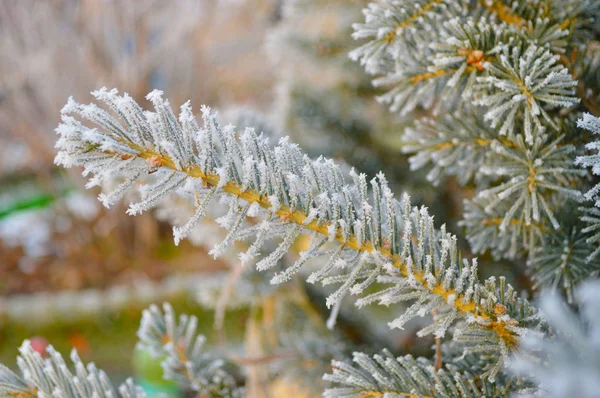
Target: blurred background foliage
x=71, y=272
x=78, y=275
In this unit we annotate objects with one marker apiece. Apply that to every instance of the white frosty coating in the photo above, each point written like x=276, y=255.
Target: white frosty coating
x=219, y=249
x=530, y=173
x=331, y=321
x=254, y=249
x=154, y=193
x=536, y=181
x=451, y=299
x=592, y=218
x=271, y=260
x=296, y=183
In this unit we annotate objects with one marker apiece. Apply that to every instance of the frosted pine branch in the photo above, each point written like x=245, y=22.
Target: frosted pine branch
x=455, y=145
x=482, y=224
x=51, y=378
x=383, y=375
x=533, y=185
x=532, y=176
x=512, y=65
x=386, y=24
x=592, y=124
x=377, y=235
x=398, y=50
x=591, y=216
x=522, y=81
x=565, y=257
x=437, y=49
x=186, y=361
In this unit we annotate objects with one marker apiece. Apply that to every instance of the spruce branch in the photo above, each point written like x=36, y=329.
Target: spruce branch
x=592, y=124
x=456, y=145
x=51, y=378
x=532, y=175
x=562, y=26
x=386, y=23
x=591, y=216
x=565, y=257
x=523, y=79
x=185, y=361
x=578, y=18
x=379, y=238
x=507, y=69
x=508, y=60
x=585, y=65
x=515, y=214
x=383, y=375
x=406, y=59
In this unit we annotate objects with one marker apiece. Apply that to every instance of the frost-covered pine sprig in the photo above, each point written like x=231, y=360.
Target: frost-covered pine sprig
x=579, y=16
x=391, y=24
x=519, y=62
x=564, y=257
x=508, y=67
x=51, y=378
x=456, y=145
x=464, y=49
x=513, y=216
x=531, y=176
x=523, y=82
x=591, y=123
x=483, y=232
x=383, y=375
x=401, y=52
x=567, y=365
x=365, y=234
x=185, y=360
x=591, y=216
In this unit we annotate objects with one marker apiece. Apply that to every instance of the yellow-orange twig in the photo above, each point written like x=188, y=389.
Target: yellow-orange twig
x=392, y=35
x=504, y=12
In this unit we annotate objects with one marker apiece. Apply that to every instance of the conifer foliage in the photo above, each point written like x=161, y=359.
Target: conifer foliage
x=51, y=377
x=510, y=71
x=502, y=86
x=186, y=362
x=366, y=236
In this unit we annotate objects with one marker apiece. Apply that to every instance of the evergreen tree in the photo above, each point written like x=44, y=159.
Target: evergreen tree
x=500, y=96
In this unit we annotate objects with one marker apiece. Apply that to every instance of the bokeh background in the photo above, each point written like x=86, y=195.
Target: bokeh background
x=78, y=275
x=72, y=272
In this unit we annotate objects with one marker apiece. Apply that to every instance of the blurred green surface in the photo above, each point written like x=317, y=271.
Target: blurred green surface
x=109, y=339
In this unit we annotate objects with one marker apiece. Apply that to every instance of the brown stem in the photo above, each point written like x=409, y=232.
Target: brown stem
x=438, y=345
